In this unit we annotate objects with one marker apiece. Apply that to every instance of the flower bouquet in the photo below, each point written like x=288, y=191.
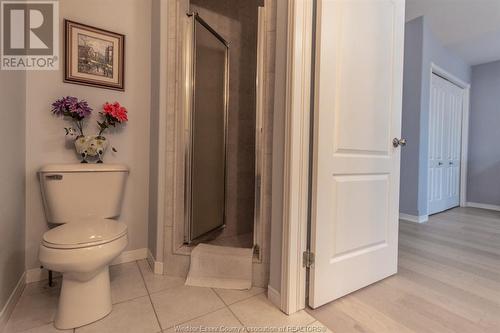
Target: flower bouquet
x=93, y=146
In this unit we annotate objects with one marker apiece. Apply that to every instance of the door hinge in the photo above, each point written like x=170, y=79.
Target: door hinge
x=307, y=259
x=256, y=250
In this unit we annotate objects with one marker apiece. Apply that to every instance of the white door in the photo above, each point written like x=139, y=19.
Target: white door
x=445, y=136
x=359, y=74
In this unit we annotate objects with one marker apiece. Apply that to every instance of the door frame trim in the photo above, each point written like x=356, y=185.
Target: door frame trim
x=464, y=148
x=296, y=154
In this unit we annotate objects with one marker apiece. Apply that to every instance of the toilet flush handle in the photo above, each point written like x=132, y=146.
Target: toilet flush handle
x=54, y=177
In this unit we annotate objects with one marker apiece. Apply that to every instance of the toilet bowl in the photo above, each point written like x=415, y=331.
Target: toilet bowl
x=84, y=200
x=82, y=252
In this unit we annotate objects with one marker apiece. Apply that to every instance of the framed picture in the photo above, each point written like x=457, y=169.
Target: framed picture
x=93, y=56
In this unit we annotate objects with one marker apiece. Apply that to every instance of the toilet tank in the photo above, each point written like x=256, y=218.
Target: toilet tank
x=74, y=192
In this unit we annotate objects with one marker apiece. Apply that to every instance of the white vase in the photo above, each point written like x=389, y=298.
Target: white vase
x=93, y=146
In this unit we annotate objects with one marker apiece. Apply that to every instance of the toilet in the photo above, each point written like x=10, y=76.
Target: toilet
x=81, y=201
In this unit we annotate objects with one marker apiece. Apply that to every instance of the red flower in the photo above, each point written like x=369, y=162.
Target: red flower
x=115, y=110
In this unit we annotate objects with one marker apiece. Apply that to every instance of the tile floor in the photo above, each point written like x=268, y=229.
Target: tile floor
x=148, y=303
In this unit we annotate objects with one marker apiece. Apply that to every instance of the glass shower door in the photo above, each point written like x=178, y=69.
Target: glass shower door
x=206, y=135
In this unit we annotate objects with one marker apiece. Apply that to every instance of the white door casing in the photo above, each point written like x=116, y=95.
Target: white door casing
x=445, y=138
x=355, y=190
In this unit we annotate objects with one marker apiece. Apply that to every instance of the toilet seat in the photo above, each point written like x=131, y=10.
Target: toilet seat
x=85, y=233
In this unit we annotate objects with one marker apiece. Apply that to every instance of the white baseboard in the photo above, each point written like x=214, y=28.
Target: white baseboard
x=39, y=274
x=12, y=301
x=414, y=218
x=156, y=265
x=274, y=296
x=483, y=206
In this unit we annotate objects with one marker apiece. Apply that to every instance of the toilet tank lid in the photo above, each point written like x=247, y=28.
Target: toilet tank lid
x=83, y=167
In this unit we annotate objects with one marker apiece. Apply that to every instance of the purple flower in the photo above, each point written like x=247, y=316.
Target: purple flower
x=82, y=108
x=71, y=107
x=61, y=106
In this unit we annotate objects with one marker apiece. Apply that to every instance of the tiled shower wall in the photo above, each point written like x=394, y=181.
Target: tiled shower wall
x=241, y=126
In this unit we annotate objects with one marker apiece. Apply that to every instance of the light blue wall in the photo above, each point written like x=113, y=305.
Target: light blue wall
x=412, y=85
x=421, y=50
x=483, y=174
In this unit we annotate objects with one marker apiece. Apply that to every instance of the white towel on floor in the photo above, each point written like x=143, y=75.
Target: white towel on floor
x=220, y=267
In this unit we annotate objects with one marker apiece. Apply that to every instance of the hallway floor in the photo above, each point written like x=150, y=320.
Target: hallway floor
x=148, y=303
x=448, y=281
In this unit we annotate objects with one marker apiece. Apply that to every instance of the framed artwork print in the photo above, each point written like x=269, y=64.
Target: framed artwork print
x=93, y=56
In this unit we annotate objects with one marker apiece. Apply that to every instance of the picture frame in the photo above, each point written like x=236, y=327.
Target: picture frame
x=93, y=56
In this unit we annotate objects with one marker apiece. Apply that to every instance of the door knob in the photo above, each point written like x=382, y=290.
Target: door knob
x=398, y=142
x=451, y=163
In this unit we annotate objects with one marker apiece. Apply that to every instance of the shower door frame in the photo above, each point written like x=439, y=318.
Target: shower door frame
x=188, y=125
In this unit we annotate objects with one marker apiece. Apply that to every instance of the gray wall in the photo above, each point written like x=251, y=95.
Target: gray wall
x=412, y=85
x=45, y=141
x=12, y=180
x=483, y=174
x=421, y=50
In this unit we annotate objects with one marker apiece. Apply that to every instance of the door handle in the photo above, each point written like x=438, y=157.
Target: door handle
x=398, y=142
x=451, y=163
x=440, y=163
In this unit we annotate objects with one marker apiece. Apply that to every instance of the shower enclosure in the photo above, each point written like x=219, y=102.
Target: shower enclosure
x=205, y=129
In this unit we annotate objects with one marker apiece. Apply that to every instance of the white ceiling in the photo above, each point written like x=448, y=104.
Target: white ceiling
x=470, y=28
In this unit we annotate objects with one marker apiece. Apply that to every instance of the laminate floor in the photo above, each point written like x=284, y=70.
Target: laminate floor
x=448, y=281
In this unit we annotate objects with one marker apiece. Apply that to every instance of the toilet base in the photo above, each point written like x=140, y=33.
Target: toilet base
x=83, y=302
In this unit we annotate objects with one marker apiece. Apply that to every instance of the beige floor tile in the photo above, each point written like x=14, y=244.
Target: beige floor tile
x=126, y=282
x=135, y=316
x=43, y=286
x=219, y=321
x=232, y=296
x=48, y=328
x=36, y=307
x=178, y=305
x=156, y=282
x=258, y=311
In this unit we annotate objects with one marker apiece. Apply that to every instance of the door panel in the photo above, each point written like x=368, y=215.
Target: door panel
x=437, y=136
x=358, y=119
x=356, y=169
x=454, y=156
x=445, y=135
x=361, y=221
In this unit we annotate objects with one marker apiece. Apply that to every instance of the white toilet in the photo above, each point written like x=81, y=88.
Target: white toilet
x=83, y=198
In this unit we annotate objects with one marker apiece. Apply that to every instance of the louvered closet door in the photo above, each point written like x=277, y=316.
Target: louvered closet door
x=445, y=133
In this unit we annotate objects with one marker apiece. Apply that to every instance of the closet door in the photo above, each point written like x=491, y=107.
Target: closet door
x=454, y=144
x=445, y=124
